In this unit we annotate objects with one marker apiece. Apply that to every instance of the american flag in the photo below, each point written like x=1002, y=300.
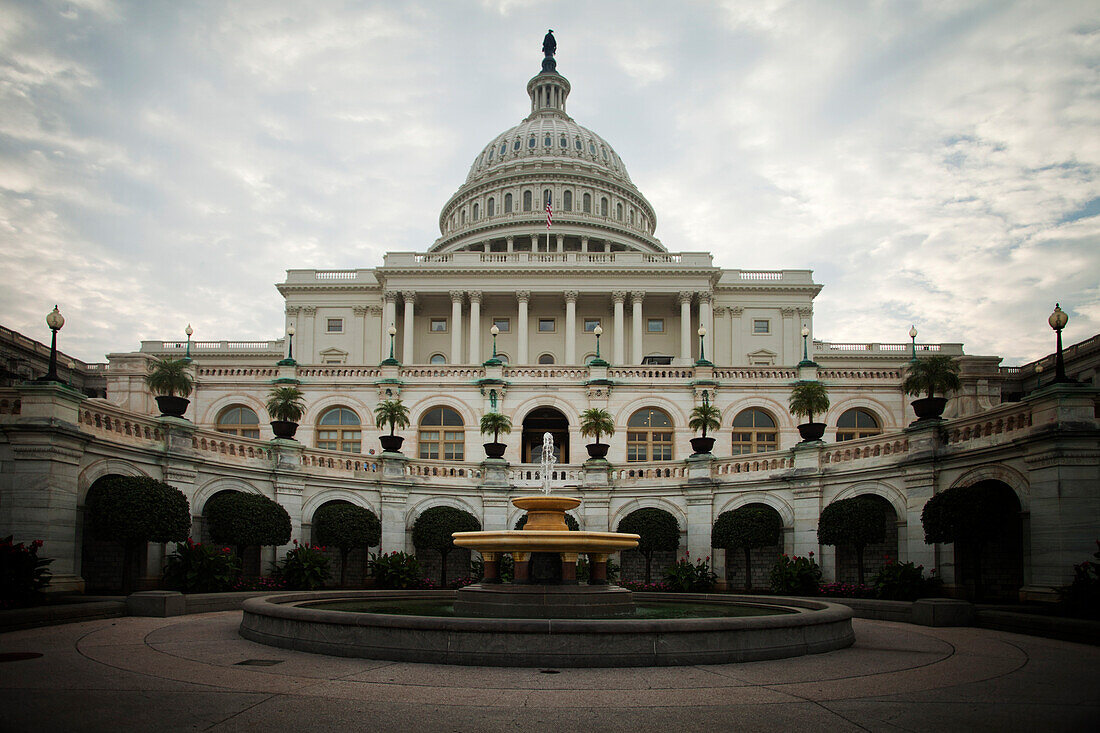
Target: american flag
x=549, y=213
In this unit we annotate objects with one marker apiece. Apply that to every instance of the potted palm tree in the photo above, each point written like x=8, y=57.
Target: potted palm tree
x=703, y=418
x=594, y=423
x=285, y=407
x=395, y=414
x=169, y=379
x=495, y=423
x=809, y=398
x=929, y=375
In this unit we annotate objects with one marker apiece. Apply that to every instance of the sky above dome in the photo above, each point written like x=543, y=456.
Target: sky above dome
x=934, y=163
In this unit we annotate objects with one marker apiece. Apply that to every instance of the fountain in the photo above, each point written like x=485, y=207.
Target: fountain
x=544, y=618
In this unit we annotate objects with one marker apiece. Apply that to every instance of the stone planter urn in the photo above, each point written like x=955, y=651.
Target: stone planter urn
x=811, y=431
x=284, y=429
x=929, y=408
x=702, y=445
x=391, y=443
x=172, y=406
x=494, y=450
x=597, y=450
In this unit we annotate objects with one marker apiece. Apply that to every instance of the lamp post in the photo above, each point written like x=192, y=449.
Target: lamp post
x=391, y=360
x=289, y=360
x=495, y=331
x=913, y=337
x=188, y=331
x=702, y=360
x=598, y=360
x=1038, y=376
x=55, y=321
x=1058, y=320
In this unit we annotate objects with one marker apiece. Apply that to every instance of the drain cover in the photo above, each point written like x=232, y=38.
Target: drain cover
x=18, y=656
x=260, y=662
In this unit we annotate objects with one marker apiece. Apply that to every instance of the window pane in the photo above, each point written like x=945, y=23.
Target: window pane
x=335, y=325
x=546, y=325
x=503, y=324
x=590, y=324
x=655, y=325
x=760, y=327
x=439, y=325
x=438, y=359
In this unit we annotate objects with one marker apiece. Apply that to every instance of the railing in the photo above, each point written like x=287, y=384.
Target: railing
x=108, y=420
x=230, y=446
x=861, y=374
x=340, y=371
x=756, y=373
x=997, y=423
x=651, y=373
x=337, y=274
x=873, y=447
x=443, y=469
x=262, y=372
x=824, y=348
x=546, y=372
x=633, y=472
x=442, y=372
x=465, y=259
x=222, y=347
x=751, y=463
x=343, y=462
x=529, y=476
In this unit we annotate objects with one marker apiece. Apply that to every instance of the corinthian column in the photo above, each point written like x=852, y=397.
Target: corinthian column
x=475, y=326
x=571, y=326
x=685, y=326
x=456, y=326
x=522, y=296
x=618, y=297
x=407, y=336
x=636, y=297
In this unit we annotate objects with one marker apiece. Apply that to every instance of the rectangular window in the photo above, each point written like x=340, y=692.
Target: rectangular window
x=438, y=325
x=503, y=324
x=590, y=324
x=546, y=325
x=335, y=325
x=761, y=325
x=655, y=325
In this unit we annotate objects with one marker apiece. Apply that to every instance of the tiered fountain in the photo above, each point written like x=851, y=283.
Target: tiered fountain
x=544, y=618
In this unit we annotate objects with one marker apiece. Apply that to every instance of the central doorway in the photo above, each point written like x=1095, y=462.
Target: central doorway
x=545, y=420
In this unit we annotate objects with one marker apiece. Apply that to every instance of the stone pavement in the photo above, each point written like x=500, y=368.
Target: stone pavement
x=185, y=673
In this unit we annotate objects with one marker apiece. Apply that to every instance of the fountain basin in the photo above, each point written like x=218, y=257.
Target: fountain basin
x=285, y=620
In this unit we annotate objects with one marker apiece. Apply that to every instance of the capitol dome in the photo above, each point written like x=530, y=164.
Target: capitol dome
x=548, y=156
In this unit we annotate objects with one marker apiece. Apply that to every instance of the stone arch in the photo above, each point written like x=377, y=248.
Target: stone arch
x=547, y=400
x=882, y=412
x=314, y=410
x=216, y=486
x=420, y=507
x=1009, y=476
x=785, y=510
x=893, y=502
x=650, y=503
x=105, y=467
x=210, y=414
x=632, y=562
x=355, y=575
x=777, y=410
x=673, y=410
x=315, y=502
x=878, y=488
x=417, y=410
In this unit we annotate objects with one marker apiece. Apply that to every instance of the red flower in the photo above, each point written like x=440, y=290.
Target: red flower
x=811, y=553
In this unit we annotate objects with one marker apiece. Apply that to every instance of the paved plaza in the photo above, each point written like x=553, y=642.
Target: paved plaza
x=186, y=673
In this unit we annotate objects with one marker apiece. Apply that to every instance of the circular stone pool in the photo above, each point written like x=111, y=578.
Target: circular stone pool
x=791, y=627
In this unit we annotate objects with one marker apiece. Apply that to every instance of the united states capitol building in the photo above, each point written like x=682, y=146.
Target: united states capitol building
x=593, y=311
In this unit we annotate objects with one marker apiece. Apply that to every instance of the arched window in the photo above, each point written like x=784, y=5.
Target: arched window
x=441, y=435
x=857, y=423
x=577, y=144
x=547, y=197
x=491, y=207
x=437, y=359
x=507, y=203
x=649, y=436
x=547, y=142
x=631, y=216
x=239, y=420
x=463, y=217
x=526, y=200
x=563, y=142
x=502, y=357
x=503, y=148
x=754, y=432
x=515, y=145
x=546, y=359
x=567, y=201
x=476, y=211
x=618, y=212
x=587, y=203
x=339, y=429
x=603, y=206
x=531, y=142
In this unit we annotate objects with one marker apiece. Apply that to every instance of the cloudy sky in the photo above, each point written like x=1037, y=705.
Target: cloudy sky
x=934, y=163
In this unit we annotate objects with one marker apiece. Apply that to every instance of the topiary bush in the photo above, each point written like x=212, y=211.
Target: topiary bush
x=747, y=528
x=346, y=527
x=201, y=568
x=304, y=568
x=23, y=574
x=433, y=528
x=794, y=575
x=658, y=531
x=243, y=520
x=134, y=510
x=398, y=570
x=858, y=521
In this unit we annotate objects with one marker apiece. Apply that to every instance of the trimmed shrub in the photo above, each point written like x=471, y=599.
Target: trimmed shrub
x=346, y=527
x=304, y=568
x=658, y=531
x=749, y=527
x=23, y=574
x=794, y=575
x=134, y=510
x=398, y=570
x=201, y=568
x=433, y=528
x=242, y=520
x=858, y=521
x=686, y=576
x=904, y=581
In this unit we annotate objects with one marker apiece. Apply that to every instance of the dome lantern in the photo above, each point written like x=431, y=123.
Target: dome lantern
x=548, y=90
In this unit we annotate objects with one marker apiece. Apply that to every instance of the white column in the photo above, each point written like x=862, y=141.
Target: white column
x=561, y=243
x=706, y=322
x=619, y=355
x=584, y=244
x=389, y=318
x=307, y=338
x=359, y=334
x=456, y=327
x=685, y=326
x=737, y=357
x=571, y=326
x=511, y=243
x=636, y=321
x=790, y=338
x=407, y=335
x=475, y=327
x=521, y=326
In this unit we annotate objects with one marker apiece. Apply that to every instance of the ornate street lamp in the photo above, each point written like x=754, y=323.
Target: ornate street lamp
x=702, y=360
x=1038, y=376
x=55, y=321
x=1058, y=320
x=806, y=361
x=913, y=337
x=598, y=360
x=392, y=360
x=289, y=360
x=188, y=331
